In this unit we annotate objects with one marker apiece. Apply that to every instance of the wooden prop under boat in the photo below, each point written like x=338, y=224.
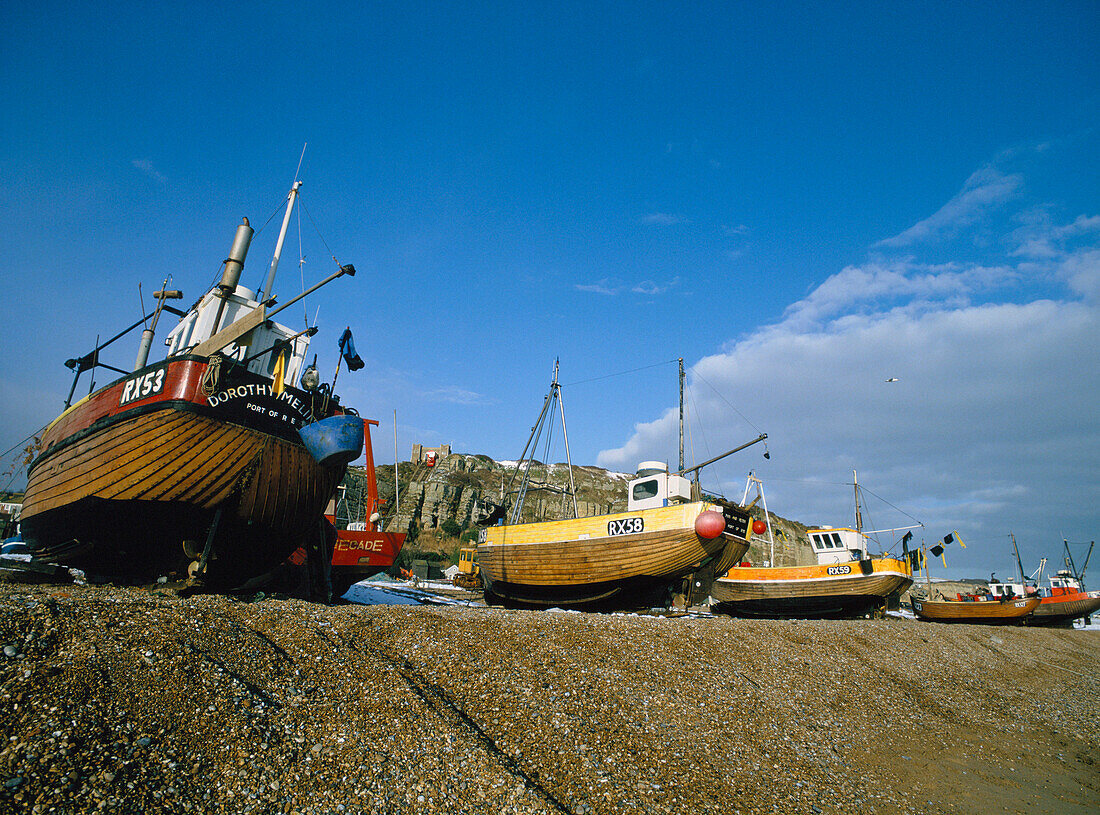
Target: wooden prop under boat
x=980, y=611
x=363, y=550
x=195, y=465
x=630, y=559
x=845, y=582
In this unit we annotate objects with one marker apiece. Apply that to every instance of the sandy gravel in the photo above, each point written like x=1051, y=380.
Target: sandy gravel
x=128, y=700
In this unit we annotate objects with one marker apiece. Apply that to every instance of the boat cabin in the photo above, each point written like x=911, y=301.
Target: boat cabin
x=999, y=590
x=837, y=545
x=213, y=313
x=1061, y=584
x=655, y=487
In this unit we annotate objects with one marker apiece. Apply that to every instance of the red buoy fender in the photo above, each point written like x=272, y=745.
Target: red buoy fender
x=710, y=524
x=759, y=527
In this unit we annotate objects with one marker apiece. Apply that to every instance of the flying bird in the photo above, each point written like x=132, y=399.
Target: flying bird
x=892, y=379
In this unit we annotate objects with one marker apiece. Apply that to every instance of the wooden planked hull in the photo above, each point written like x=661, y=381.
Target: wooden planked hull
x=979, y=612
x=120, y=487
x=1063, y=610
x=838, y=590
x=576, y=562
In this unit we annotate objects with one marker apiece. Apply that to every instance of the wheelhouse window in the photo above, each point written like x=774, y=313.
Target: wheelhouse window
x=646, y=489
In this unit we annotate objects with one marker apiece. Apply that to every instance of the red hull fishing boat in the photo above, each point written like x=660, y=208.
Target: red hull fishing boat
x=209, y=463
x=1061, y=602
x=363, y=550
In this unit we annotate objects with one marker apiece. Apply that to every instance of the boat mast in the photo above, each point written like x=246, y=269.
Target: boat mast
x=292, y=196
x=532, y=445
x=859, y=517
x=764, y=501
x=681, y=413
x=1019, y=565
x=565, y=437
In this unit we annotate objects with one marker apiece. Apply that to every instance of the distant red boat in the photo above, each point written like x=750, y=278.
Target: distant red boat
x=1060, y=603
x=362, y=550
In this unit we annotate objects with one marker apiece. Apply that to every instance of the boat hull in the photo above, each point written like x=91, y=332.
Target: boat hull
x=358, y=555
x=839, y=590
x=1063, y=610
x=577, y=563
x=122, y=483
x=978, y=612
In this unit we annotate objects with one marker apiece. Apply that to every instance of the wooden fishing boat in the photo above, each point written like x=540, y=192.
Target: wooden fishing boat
x=978, y=610
x=845, y=582
x=625, y=559
x=209, y=463
x=852, y=589
x=362, y=550
x=630, y=559
x=1061, y=601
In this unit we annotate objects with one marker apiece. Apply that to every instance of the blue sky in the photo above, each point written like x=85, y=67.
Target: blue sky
x=801, y=200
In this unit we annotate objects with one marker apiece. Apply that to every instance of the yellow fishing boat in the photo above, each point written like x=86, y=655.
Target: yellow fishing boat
x=635, y=558
x=845, y=581
x=624, y=559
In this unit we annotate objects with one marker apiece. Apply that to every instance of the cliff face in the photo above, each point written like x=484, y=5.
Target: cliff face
x=452, y=490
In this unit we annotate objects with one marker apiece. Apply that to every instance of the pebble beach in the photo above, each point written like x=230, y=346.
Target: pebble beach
x=128, y=700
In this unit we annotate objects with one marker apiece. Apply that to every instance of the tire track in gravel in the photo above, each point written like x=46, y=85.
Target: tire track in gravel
x=441, y=702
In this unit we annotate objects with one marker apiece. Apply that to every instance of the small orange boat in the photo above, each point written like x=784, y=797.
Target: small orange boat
x=845, y=582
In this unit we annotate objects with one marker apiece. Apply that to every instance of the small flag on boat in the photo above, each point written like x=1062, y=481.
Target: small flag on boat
x=953, y=537
x=278, y=383
x=347, y=348
x=936, y=550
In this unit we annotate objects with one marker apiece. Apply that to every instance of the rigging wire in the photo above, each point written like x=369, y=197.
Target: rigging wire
x=620, y=373
x=879, y=497
x=727, y=401
x=309, y=215
x=302, y=263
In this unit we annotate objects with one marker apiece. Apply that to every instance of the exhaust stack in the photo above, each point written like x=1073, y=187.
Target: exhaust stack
x=234, y=264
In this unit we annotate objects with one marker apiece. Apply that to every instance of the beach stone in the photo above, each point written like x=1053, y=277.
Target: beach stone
x=283, y=706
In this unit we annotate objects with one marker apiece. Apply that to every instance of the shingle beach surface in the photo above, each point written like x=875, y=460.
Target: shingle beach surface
x=129, y=700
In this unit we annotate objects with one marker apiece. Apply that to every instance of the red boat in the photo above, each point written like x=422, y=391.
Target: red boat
x=363, y=550
x=209, y=463
x=1060, y=603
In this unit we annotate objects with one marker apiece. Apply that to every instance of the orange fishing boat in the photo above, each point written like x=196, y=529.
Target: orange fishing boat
x=209, y=463
x=845, y=582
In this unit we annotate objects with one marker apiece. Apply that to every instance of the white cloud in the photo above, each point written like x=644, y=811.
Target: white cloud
x=455, y=395
x=991, y=428
x=604, y=286
x=663, y=219
x=611, y=287
x=984, y=190
x=650, y=288
x=146, y=167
